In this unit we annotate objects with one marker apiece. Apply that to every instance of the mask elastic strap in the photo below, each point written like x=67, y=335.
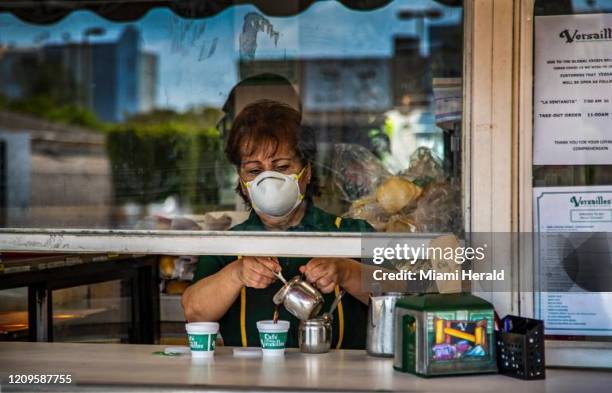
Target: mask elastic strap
x=297, y=178
x=247, y=185
x=300, y=173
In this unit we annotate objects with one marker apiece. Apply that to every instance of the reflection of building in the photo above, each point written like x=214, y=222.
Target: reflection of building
x=346, y=98
x=384, y=104
x=147, y=81
x=339, y=96
x=446, y=58
x=11, y=62
x=52, y=175
x=357, y=85
x=109, y=75
x=411, y=74
x=14, y=174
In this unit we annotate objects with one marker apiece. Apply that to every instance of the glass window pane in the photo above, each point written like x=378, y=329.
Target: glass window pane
x=93, y=313
x=14, y=314
x=122, y=125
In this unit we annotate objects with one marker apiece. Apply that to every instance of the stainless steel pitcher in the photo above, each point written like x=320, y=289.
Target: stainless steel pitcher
x=299, y=298
x=380, y=338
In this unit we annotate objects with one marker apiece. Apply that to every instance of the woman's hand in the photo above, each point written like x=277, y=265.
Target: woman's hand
x=211, y=297
x=326, y=273
x=257, y=272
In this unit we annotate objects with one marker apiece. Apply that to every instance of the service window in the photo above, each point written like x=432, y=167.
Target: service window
x=116, y=116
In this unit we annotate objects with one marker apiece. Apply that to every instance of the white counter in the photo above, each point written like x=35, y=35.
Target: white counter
x=126, y=367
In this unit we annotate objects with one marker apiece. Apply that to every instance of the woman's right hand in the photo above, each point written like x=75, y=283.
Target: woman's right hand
x=257, y=272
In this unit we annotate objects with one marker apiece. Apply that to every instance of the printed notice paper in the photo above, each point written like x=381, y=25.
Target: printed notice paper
x=572, y=93
x=573, y=259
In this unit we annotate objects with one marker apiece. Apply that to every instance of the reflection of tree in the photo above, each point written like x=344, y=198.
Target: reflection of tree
x=50, y=92
x=165, y=154
x=153, y=155
x=46, y=108
x=45, y=79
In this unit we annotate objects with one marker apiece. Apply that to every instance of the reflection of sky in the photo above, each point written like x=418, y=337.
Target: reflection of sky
x=197, y=58
x=592, y=5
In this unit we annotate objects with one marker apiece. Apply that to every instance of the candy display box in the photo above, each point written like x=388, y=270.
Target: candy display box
x=444, y=334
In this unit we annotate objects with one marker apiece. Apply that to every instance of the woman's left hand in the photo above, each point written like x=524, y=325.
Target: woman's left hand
x=325, y=273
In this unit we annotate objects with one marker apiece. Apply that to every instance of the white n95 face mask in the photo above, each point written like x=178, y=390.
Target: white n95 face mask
x=274, y=193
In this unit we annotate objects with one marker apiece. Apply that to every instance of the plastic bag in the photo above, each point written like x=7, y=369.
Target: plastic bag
x=424, y=168
x=389, y=207
x=438, y=208
x=400, y=223
x=357, y=172
x=397, y=193
x=417, y=200
x=368, y=209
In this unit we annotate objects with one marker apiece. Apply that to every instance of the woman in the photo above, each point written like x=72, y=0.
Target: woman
x=273, y=155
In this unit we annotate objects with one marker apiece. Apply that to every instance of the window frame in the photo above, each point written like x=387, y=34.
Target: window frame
x=287, y=244
x=314, y=244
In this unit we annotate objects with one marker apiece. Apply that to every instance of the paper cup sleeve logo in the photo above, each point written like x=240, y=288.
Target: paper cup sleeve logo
x=273, y=340
x=202, y=342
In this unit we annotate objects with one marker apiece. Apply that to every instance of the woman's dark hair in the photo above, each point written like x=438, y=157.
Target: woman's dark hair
x=266, y=124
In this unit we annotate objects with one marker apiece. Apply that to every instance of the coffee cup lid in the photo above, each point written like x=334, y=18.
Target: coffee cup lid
x=202, y=327
x=270, y=326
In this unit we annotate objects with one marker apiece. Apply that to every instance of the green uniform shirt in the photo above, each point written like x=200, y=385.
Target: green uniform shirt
x=259, y=305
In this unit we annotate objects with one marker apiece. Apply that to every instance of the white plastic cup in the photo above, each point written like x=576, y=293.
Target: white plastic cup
x=202, y=338
x=273, y=337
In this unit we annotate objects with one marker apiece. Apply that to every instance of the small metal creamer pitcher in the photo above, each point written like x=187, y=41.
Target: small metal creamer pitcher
x=300, y=298
x=315, y=335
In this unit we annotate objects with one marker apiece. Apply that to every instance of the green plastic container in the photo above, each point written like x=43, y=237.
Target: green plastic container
x=444, y=334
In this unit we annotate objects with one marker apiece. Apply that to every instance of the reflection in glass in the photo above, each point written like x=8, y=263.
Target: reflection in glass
x=93, y=313
x=121, y=124
x=14, y=314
